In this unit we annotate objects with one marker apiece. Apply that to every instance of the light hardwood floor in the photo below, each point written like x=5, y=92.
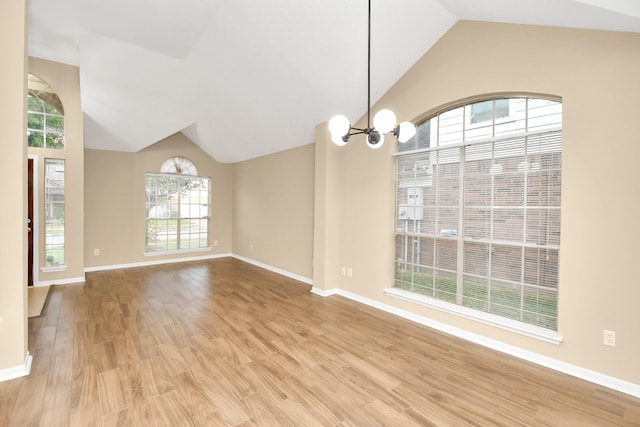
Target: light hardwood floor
x=222, y=342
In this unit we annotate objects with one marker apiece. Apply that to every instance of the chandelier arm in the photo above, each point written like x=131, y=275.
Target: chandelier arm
x=362, y=130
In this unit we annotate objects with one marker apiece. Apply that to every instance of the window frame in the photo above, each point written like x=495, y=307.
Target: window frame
x=170, y=218
x=539, y=332
x=470, y=124
x=40, y=91
x=52, y=242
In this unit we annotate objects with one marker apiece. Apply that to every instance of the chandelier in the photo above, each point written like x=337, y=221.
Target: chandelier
x=383, y=122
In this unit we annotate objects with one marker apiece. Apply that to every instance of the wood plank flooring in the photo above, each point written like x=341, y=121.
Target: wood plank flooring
x=224, y=343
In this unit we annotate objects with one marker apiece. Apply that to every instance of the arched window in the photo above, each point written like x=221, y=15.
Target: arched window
x=478, y=210
x=45, y=116
x=177, y=208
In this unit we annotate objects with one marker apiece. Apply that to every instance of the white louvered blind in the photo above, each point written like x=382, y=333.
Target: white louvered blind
x=478, y=221
x=177, y=212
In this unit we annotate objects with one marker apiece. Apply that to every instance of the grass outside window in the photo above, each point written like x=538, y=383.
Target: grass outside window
x=528, y=304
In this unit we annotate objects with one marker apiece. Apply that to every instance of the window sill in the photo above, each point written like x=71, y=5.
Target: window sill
x=479, y=316
x=180, y=251
x=53, y=268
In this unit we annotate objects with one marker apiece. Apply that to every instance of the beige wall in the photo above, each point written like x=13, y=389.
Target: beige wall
x=328, y=257
x=65, y=81
x=115, y=201
x=596, y=75
x=273, y=210
x=13, y=214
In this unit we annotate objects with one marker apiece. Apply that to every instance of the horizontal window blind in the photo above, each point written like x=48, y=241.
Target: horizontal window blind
x=478, y=222
x=177, y=212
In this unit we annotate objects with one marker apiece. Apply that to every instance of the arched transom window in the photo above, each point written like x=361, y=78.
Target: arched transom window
x=45, y=116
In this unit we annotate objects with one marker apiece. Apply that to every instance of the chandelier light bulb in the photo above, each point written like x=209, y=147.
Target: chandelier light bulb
x=384, y=121
x=375, y=139
x=339, y=125
x=337, y=139
x=405, y=131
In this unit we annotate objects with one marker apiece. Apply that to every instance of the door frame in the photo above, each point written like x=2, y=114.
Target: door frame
x=35, y=221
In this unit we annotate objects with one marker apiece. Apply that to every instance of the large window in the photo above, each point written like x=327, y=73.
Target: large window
x=478, y=209
x=45, y=116
x=177, y=208
x=54, y=212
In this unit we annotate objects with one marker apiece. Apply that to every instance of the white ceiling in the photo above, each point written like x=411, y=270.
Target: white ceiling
x=246, y=78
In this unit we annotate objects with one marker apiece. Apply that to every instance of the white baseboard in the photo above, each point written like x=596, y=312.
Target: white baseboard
x=294, y=276
x=557, y=365
x=149, y=263
x=69, y=281
x=17, y=371
x=200, y=258
x=328, y=292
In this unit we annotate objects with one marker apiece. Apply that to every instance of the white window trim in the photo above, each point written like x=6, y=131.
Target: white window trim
x=208, y=217
x=521, y=328
x=51, y=269
x=506, y=323
x=177, y=251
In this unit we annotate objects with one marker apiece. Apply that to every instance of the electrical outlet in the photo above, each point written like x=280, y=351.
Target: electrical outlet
x=609, y=338
x=349, y=272
x=96, y=252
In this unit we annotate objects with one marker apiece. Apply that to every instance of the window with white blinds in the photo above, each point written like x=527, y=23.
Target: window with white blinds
x=177, y=208
x=478, y=209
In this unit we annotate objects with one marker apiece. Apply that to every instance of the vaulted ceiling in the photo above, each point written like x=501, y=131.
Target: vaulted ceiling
x=246, y=78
